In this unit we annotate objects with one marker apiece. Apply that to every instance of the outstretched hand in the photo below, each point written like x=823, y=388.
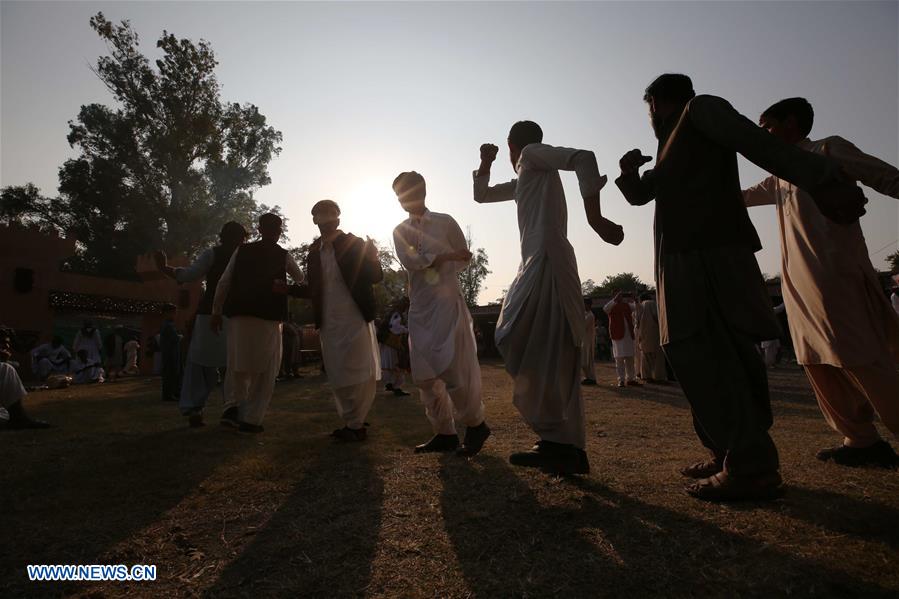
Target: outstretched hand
x=632, y=161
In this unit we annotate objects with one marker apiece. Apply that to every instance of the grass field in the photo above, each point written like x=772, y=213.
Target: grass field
x=288, y=513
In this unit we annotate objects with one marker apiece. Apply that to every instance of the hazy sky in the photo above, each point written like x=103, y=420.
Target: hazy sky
x=362, y=91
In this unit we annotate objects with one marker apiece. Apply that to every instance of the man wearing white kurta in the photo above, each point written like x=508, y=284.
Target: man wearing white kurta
x=252, y=292
x=844, y=331
x=621, y=329
x=208, y=351
x=442, y=345
x=588, y=358
x=341, y=269
x=12, y=392
x=541, y=325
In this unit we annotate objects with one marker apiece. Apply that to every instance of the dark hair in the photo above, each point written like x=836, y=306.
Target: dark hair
x=523, y=133
x=670, y=87
x=232, y=233
x=269, y=221
x=798, y=108
x=320, y=205
x=57, y=340
x=406, y=181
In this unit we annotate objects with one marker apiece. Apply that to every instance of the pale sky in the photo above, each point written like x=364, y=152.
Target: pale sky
x=362, y=91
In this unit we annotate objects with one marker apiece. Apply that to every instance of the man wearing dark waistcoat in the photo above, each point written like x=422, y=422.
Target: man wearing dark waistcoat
x=713, y=304
x=208, y=351
x=341, y=269
x=252, y=294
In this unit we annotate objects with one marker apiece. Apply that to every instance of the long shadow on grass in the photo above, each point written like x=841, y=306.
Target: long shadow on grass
x=598, y=542
x=841, y=514
x=322, y=540
x=74, y=506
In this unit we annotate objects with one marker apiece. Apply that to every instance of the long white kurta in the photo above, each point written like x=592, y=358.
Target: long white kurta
x=545, y=298
x=206, y=348
x=837, y=312
x=92, y=344
x=254, y=351
x=442, y=346
x=11, y=389
x=349, y=345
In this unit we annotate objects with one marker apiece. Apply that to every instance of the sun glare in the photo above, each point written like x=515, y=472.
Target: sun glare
x=370, y=209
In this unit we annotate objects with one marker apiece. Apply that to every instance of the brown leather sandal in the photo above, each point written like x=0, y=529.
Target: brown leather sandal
x=726, y=487
x=702, y=469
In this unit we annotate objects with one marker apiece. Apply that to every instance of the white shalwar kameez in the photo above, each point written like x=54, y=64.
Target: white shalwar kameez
x=541, y=326
x=349, y=345
x=254, y=352
x=11, y=389
x=442, y=346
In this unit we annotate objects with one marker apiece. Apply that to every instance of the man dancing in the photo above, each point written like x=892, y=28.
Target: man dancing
x=442, y=347
x=845, y=333
x=541, y=324
x=208, y=351
x=341, y=269
x=252, y=294
x=713, y=305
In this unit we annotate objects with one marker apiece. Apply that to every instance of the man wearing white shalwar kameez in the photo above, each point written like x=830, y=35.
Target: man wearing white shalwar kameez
x=588, y=353
x=541, y=325
x=845, y=334
x=341, y=269
x=623, y=334
x=208, y=351
x=252, y=292
x=12, y=393
x=442, y=346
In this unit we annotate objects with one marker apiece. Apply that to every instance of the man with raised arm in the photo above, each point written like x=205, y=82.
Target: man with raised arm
x=713, y=305
x=541, y=325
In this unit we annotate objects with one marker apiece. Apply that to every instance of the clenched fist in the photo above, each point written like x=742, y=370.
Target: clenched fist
x=632, y=161
x=488, y=152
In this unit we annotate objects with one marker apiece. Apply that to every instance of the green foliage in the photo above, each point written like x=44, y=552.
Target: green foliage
x=472, y=278
x=164, y=167
x=893, y=261
x=623, y=281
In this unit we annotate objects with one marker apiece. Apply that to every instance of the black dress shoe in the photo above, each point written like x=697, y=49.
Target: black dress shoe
x=588, y=382
x=230, y=417
x=195, y=420
x=553, y=458
x=350, y=435
x=388, y=387
x=439, y=443
x=880, y=454
x=246, y=427
x=474, y=440
x=400, y=393
x=18, y=424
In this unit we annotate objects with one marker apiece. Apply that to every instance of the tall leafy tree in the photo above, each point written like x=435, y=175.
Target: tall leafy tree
x=471, y=279
x=164, y=166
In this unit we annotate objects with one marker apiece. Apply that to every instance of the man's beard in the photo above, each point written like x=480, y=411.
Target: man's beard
x=659, y=126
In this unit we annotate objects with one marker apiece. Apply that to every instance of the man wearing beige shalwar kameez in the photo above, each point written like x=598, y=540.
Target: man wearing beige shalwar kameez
x=844, y=331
